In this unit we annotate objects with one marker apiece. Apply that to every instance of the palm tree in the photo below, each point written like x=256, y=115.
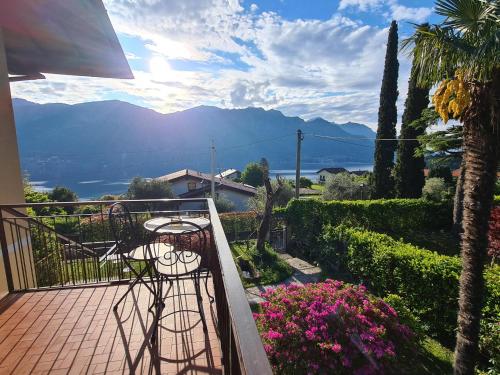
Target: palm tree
x=465, y=50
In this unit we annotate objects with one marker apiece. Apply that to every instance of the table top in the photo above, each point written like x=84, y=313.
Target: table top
x=152, y=224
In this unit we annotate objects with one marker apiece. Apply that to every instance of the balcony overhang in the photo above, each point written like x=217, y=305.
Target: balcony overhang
x=61, y=37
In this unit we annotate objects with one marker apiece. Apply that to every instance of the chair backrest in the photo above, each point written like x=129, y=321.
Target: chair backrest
x=123, y=228
x=183, y=235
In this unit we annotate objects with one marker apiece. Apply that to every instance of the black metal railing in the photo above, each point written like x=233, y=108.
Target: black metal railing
x=61, y=245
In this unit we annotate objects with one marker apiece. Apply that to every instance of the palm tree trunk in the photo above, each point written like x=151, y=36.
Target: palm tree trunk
x=481, y=140
x=458, y=201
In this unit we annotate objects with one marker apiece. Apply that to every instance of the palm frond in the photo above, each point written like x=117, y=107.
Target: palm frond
x=463, y=15
x=468, y=39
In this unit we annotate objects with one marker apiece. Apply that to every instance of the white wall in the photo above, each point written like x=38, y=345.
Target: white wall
x=323, y=176
x=239, y=200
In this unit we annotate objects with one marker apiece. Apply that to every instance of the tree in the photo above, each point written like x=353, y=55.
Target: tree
x=141, y=188
x=281, y=198
x=63, y=194
x=463, y=54
x=342, y=186
x=222, y=204
x=265, y=224
x=387, y=118
x=441, y=171
x=253, y=175
x=445, y=147
x=435, y=189
x=409, y=170
x=304, y=182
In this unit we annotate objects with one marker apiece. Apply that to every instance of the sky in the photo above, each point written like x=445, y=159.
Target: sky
x=307, y=58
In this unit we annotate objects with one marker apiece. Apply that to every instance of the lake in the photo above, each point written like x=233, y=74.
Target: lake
x=92, y=189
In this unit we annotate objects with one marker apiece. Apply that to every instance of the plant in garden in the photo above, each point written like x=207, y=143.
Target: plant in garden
x=494, y=234
x=435, y=189
x=253, y=175
x=387, y=118
x=409, y=175
x=331, y=327
x=463, y=51
x=342, y=186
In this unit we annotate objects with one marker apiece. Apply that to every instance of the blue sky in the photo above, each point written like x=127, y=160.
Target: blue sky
x=306, y=58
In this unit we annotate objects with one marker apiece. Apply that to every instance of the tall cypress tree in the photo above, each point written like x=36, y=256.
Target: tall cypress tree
x=387, y=118
x=409, y=172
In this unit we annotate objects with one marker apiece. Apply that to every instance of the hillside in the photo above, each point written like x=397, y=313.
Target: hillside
x=115, y=140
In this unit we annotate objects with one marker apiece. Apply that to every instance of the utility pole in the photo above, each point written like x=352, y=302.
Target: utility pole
x=300, y=138
x=212, y=170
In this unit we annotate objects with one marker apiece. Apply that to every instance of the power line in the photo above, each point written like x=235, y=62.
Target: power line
x=362, y=138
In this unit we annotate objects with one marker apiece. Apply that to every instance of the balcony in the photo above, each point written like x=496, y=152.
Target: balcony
x=64, y=280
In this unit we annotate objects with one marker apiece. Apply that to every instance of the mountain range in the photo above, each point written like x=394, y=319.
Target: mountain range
x=118, y=140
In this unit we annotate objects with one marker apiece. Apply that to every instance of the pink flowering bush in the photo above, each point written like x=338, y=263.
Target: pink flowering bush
x=330, y=327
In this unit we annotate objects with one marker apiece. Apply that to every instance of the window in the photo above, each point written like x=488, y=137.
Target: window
x=191, y=186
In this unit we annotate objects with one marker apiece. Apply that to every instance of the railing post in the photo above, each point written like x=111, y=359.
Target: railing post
x=5, y=255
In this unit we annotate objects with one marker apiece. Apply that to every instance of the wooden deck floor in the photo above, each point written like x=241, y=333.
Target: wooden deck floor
x=76, y=331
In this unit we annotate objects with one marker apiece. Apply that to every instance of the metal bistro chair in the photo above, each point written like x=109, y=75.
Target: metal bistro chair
x=131, y=247
x=185, y=262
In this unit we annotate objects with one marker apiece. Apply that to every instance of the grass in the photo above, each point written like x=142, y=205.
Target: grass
x=318, y=187
x=270, y=268
x=431, y=358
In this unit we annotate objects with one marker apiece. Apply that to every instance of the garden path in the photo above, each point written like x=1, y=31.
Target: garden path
x=303, y=273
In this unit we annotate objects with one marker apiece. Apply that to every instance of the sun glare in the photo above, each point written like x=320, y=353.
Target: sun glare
x=160, y=69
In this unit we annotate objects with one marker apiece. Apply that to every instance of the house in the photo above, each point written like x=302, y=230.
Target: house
x=324, y=173
x=188, y=183
x=229, y=174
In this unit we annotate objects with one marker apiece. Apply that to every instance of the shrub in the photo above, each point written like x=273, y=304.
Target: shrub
x=330, y=327
x=142, y=188
x=223, y=204
x=494, y=234
x=341, y=186
x=435, y=189
x=489, y=344
x=427, y=281
x=304, y=182
x=253, y=175
x=307, y=218
x=258, y=202
x=443, y=172
x=239, y=224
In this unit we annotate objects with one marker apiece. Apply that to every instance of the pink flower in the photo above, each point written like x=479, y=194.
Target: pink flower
x=336, y=348
x=319, y=327
x=273, y=335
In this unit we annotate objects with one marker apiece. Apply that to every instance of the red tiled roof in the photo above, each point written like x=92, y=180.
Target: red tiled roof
x=205, y=177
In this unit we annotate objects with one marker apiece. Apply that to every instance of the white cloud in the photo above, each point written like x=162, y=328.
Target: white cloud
x=362, y=5
x=331, y=68
x=391, y=9
x=419, y=15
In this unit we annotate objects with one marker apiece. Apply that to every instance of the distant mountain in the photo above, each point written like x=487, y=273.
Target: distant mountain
x=115, y=140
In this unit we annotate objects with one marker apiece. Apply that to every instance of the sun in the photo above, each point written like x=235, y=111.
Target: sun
x=160, y=69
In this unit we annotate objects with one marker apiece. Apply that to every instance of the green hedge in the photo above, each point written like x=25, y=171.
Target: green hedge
x=427, y=281
x=306, y=218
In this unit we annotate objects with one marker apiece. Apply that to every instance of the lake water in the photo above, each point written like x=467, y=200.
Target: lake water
x=92, y=189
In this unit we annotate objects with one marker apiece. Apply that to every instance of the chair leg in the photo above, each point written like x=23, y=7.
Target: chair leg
x=137, y=279
x=159, y=309
x=210, y=297
x=200, y=300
